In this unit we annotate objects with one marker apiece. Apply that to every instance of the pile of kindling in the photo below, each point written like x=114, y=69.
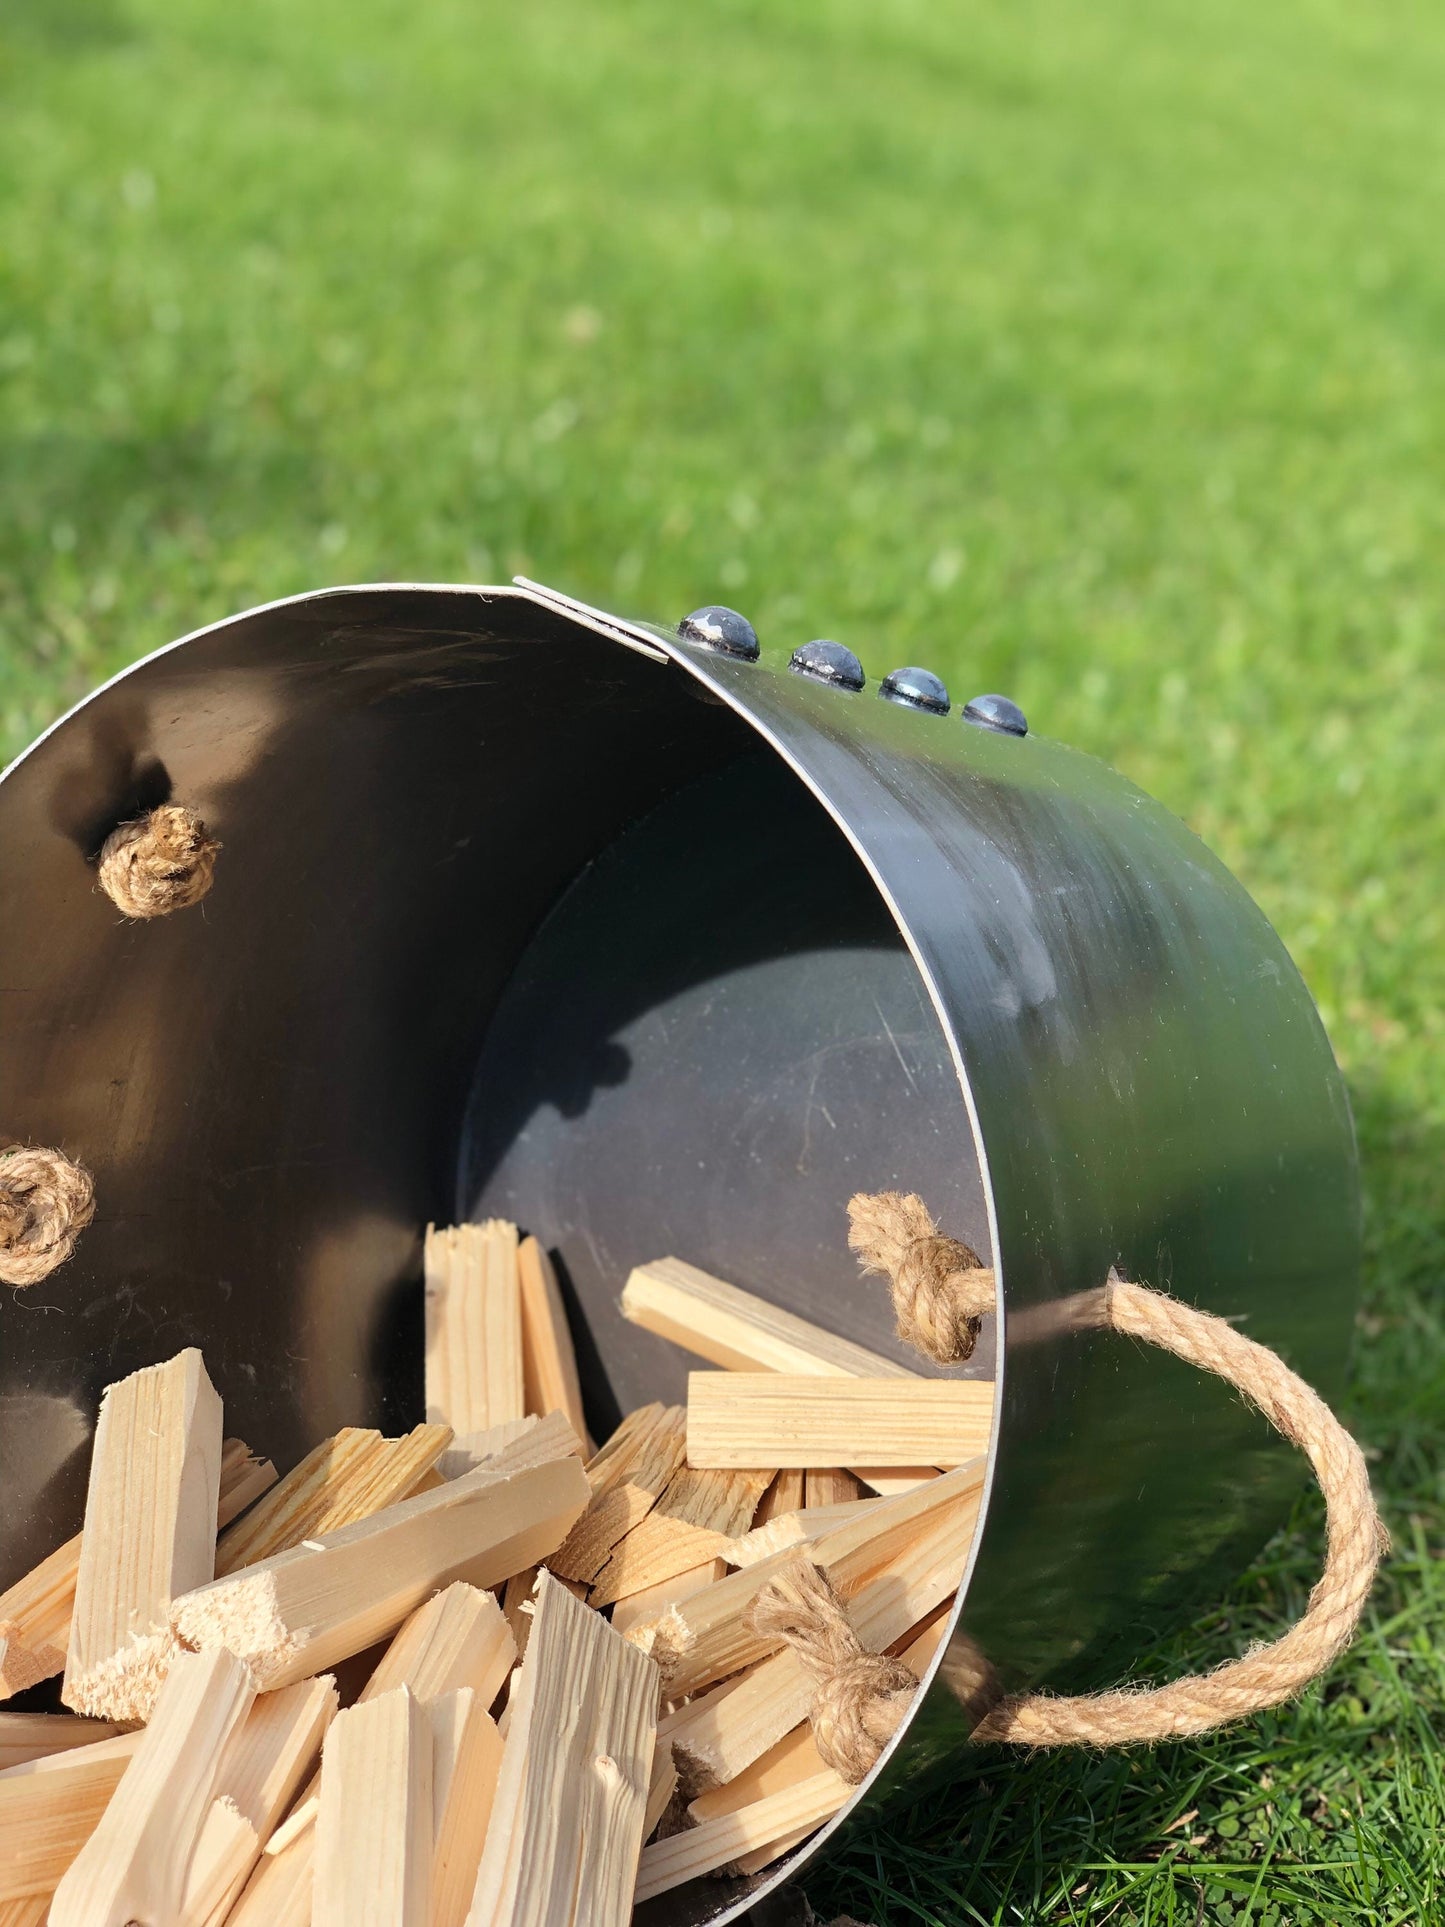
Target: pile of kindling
x=485, y=1673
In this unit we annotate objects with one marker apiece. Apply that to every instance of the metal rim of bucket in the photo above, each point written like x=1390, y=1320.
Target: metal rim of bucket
x=1095, y=975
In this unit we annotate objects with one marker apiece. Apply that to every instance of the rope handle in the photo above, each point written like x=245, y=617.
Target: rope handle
x=940, y=1292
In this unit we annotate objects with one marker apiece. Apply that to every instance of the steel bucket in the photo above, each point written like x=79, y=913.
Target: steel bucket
x=525, y=909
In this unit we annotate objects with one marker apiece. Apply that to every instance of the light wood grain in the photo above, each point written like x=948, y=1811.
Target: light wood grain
x=466, y=1760
x=639, y=1607
x=50, y=1806
x=549, y=1362
x=661, y=1787
x=303, y=1610
x=374, y=1827
x=347, y=1477
x=717, y=1843
x=627, y=1478
x=149, y=1533
x=474, y=1374
x=133, y=1866
x=738, y=1330
x=737, y=1419
x=716, y=1738
x=566, y=1825
x=35, y=1736
x=707, y=1636
x=259, y=1772
x=456, y=1640
x=696, y=1519
x=35, y=1612
x=794, y=1529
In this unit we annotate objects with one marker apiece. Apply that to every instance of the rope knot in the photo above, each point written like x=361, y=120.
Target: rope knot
x=45, y=1204
x=941, y=1289
x=158, y=863
x=862, y=1696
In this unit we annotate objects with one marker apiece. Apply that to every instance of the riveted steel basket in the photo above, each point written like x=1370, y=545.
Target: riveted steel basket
x=527, y=909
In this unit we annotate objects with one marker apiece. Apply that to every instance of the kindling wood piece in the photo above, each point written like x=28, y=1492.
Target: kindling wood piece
x=549, y=1363
x=474, y=1376
x=149, y=1533
x=35, y=1613
x=49, y=1807
x=257, y=1777
x=707, y=1637
x=716, y=1738
x=739, y=1331
x=466, y=1760
x=344, y=1479
x=696, y=1520
x=627, y=1477
x=133, y=1867
x=303, y=1610
x=566, y=1825
x=35, y=1736
x=472, y=1449
x=737, y=1419
x=661, y=1787
x=374, y=1827
x=833, y=1486
x=640, y=1607
x=787, y=1493
x=458, y=1640
x=795, y=1529
x=703, y=1849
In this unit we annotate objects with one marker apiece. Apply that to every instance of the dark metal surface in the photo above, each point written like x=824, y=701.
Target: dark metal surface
x=722, y=630
x=703, y=968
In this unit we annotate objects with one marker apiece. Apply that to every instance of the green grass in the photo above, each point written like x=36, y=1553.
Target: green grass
x=1086, y=351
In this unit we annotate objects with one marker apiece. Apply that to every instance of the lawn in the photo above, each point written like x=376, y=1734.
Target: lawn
x=1090, y=352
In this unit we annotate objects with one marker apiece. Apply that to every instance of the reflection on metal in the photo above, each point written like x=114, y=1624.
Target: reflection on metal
x=531, y=908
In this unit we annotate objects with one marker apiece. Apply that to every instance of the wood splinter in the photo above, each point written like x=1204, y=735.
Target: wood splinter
x=149, y=1533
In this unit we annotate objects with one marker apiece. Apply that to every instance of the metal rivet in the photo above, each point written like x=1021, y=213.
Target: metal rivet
x=829, y=662
x=917, y=688
x=996, y=712
x=723, y=630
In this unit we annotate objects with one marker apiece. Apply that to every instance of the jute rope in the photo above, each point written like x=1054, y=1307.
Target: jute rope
x=938, y=1297
x=941, y=1289
x=45, y=1204
x=158, y=863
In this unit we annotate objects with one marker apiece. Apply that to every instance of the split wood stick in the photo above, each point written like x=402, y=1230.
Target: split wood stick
x=745, y=1418
x=49, y=1807
x=889, y=1481
x=457, y=1640
x=627, y=1477
x=639, y=1607
x=35, y=1736
x=35, y=1613
x=32, y=1911
x=731, y=1729
x=149, y=1533
x=795, y=1529
x=473, y=1326
x=787, y=1493
x=374, y=1829
x=795, y=1758
x=296, y=1822
x=472, y=1449
x=833, y=1486
x=345, y=1478
x=566, y=1825
x=466, y=1760
x=549, y=1363
x=660, y=1788
x=707, y=1637
x=257, y=1778
x=305, y=1609
x=133, y=1867
x=513, y=1446
x=717, y=1843
x=696, y=1520
x=740, y=1331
